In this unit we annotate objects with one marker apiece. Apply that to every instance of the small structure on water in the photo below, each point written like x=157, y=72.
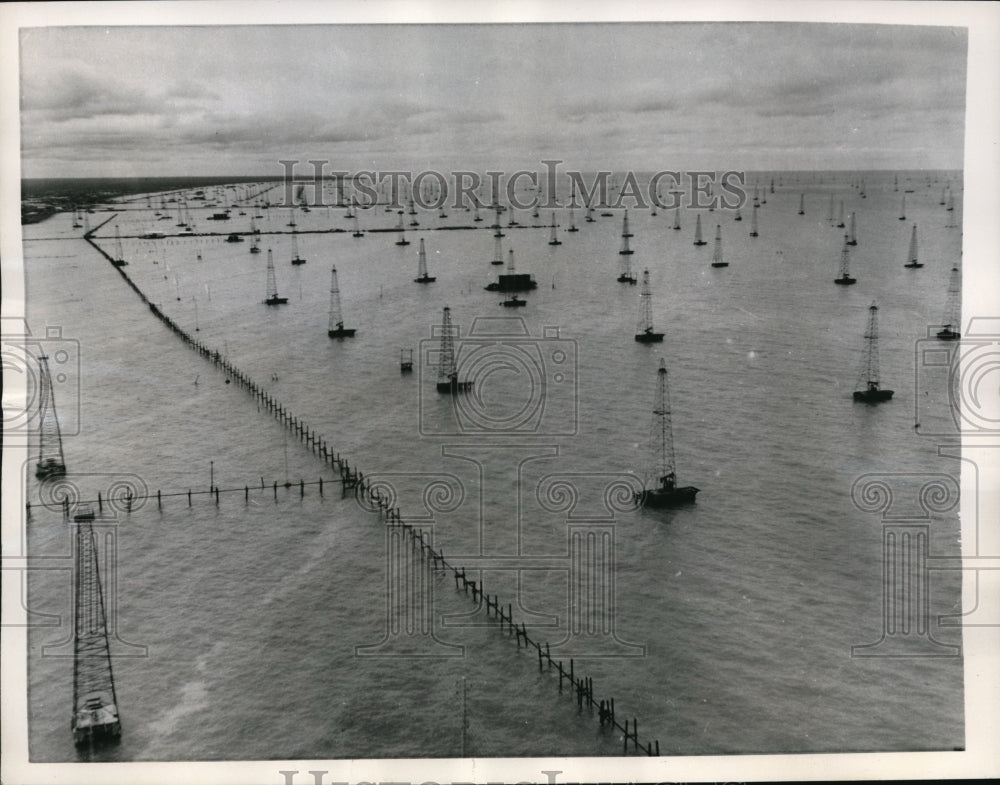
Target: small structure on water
x=336, y=327
x=844, y=278
x=512, y=281
x=644, y=329
x=448, y=382
x=667, y=493
x=51, y=462
x=422, y=276
x=272, y=284
x=869, y=383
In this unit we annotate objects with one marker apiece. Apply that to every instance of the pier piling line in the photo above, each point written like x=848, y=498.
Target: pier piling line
x=353, y=480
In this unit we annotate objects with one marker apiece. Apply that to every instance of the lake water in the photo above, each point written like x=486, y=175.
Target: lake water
x=726, y=626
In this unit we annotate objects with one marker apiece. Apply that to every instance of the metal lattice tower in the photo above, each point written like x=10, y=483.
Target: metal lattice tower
x=95, y=703
x=119, y=254
x=51, y=462
x=626, y=265
x=645, y=322
x=422, y=261
x=869, y=377
x=626, y=234
x=952, y=313
x=717, y=259
x=661, y=432
x=845, y=260
x=447, y=370
x=336, y=316
x=272, y=284
x=911, y=256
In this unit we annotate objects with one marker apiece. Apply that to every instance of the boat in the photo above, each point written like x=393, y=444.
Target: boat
x=911, y=256
x=296, y=259
x=902, y=209
x=845, y=276
x=626, y=234
x=868, y=380
x=738, y=216
x=852, y=235
x=272, y=286
x=405, y=360
x=802, y=204
x=514, y=302
x=667, y=493
x=512, y=281
x=357, y=228
x=952, y=315
x=677, y=219
x=336, y=327
x=589, y=218
x=51, y=462
x=753, y=221
x=840, y=219
x=447, y=381
x=554, y=239
x=644, y=328
x=422, y=276
x=697, y=232
x=717, y=260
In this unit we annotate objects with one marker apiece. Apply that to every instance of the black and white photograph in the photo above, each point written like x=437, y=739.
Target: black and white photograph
x=536, y=393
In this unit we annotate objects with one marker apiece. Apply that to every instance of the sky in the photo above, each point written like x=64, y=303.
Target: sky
x=217, y=100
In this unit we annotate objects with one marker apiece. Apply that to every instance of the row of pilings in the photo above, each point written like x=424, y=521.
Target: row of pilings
x=352, y=480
